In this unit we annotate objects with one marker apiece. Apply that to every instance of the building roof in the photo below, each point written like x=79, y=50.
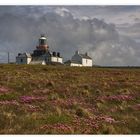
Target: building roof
x=67, y=62
x=85, y=56
x=72, y=61
x=24, y=55
x=28, y=54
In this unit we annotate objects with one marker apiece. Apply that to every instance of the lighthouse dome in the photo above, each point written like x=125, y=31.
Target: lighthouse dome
x=42, y=40
x=42, y=36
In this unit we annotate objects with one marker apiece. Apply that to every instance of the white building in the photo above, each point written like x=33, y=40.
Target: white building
x=41, y=55
x=24, y=58
x=80, y=60
x=53, y=57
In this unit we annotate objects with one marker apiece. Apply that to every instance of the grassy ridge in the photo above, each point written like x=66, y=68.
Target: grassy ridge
x=37, y=99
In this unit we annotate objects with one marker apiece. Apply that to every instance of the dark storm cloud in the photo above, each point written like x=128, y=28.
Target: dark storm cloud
x=20, y=28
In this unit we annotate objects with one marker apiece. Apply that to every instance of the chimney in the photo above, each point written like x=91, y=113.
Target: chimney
x=54, y=53
x=58, y=54
x=86, y=54
x=77, y=52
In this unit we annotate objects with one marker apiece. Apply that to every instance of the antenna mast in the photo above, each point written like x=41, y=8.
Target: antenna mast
x=8, y=57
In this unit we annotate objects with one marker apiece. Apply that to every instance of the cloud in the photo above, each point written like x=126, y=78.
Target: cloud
x=132, y=31
x=111, y=14
x=62, y=11
x=21, y=27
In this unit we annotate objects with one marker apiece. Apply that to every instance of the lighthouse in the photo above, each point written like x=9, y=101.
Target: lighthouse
x=42, y=43
x=41, y=55
x=42, y=46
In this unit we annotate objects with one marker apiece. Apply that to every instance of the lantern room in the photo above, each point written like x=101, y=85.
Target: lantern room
x=42, y=43
x=42, y=40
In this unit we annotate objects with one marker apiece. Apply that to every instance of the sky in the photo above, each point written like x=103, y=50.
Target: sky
x=110, y=34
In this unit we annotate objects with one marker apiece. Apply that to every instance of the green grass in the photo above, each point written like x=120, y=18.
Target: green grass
x=71, y=100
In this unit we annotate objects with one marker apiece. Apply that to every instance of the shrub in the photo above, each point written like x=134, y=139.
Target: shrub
x=9, y=96
x=50, y=84
x=54, y=96
x=108, y=129
x=85, y=93
x=58, y=111
x=81, y=112
x=54, y=118
x=98, y=92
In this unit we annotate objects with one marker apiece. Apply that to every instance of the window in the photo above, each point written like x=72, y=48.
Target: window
x=21, y=60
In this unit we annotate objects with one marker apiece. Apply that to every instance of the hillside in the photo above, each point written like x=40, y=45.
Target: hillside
x=69, y=100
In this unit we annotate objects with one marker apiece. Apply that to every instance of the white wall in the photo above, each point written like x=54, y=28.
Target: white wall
x=60, y=60
x=56, y=59
x=53, y=59
x=84, y=61
x=29, y=60
x=87, y=62
x=75, y=65
x=43, y=63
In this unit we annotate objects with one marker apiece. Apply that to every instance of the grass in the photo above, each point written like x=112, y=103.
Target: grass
x=37, y=99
